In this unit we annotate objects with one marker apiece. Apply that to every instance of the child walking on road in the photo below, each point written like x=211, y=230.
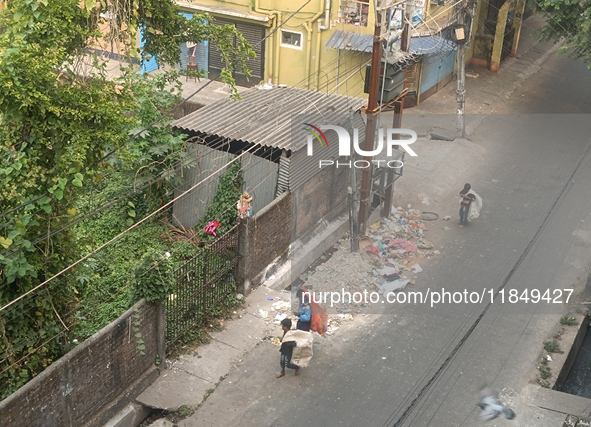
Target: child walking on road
x=287, y=350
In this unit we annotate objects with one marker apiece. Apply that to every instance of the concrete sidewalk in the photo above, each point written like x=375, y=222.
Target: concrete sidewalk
x=191, y=378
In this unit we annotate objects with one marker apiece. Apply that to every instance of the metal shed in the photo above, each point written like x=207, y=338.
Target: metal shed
x=265, y=129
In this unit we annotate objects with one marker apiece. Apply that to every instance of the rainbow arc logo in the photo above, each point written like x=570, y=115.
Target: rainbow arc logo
x=317, y=133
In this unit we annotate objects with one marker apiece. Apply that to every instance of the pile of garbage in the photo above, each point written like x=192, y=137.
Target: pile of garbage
x=395, y=246
x=388, y=260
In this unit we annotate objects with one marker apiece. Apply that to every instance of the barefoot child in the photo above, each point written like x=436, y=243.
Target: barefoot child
x=287, y=350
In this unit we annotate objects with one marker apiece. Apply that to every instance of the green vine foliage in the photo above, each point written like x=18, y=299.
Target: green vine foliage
x=56, y=125
x=223, y=206
x=567, y=20
x=154, y=277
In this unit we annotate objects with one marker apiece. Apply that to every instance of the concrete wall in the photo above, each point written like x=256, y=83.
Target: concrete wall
x=572, y=354
x=94, y=381
x=264, y=239
x=322, y=199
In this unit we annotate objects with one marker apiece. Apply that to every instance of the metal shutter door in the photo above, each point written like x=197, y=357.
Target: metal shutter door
x=253, y=34
x=150, y=65
x=446, y=70
x=430, y=74
x=216, y=63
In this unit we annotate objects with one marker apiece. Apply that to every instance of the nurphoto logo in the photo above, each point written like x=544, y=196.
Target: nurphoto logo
x=345, y=146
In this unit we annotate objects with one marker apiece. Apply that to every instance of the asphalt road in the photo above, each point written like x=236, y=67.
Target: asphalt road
x=423, y=366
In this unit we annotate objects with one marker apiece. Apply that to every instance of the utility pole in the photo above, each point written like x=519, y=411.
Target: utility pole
x=398, y=105
x=376, y=64
x=461, y=76
x=352, y=195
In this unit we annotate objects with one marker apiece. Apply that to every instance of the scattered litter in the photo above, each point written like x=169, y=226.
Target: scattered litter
x=446, y=228
x=263, y=313
x=446, y=218
x=416, y=268
x=332, y=330
x=239, y=297
x=279, y=317
x=388, y=270
x=280, y=305
x=549, y=358
x=271, y=278
x=270, y=298
x=424, y=199
x=394, y=286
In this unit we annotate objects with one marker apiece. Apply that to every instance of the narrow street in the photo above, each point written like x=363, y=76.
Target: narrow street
x=533, y=216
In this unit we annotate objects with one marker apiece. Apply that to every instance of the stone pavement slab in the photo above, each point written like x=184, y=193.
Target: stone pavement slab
x=563, y=403
x=211, y=362
x=174, y=388
x=243, y=334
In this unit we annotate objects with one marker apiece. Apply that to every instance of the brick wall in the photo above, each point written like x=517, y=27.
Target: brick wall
x=270, y=231
x=263, y=239
x=91, y=383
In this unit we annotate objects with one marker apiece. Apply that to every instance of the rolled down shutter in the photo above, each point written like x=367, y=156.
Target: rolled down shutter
x=216, y=63
x=448, y=63
x=438, y=71
x=430, y=74
x=253, y=35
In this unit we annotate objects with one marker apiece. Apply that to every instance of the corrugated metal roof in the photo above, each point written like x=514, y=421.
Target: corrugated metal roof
x=264, y=116
x=350, y=40
x=430, y=44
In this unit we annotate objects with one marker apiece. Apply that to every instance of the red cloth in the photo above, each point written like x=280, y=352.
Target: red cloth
x=318, y=319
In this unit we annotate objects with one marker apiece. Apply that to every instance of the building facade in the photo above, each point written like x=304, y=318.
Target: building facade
x=325, y=45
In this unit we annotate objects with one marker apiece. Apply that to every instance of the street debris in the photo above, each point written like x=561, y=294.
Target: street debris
x=389, y=260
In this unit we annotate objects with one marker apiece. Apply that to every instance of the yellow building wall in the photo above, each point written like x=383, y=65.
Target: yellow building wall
x=314, y=65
